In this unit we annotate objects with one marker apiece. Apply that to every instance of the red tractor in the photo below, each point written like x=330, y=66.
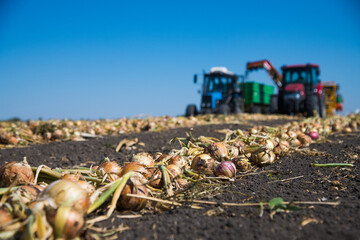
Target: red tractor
x=300, y=89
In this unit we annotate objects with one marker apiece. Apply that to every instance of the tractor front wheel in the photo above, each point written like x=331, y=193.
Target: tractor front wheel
x=224, y=109
x=312, y=105
x=191, y=110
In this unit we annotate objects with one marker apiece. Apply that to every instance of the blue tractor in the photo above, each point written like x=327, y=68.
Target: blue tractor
x=221, y=93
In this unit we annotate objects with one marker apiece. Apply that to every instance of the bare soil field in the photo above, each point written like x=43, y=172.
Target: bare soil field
x=326, y=199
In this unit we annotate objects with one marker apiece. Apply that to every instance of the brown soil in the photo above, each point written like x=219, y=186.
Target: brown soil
x=291, y=178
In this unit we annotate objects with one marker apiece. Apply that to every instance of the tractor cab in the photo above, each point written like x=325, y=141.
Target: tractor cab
x=301, y=89
x=220, y=93
x=220, y=88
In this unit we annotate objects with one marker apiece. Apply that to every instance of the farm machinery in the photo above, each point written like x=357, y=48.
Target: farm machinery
x=224, y=92
x=300, y=89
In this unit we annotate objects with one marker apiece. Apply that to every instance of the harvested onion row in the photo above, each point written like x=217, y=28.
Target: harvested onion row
x=60, y=208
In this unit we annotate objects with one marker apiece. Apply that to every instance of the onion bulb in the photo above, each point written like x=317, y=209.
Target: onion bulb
x=226, y=169
x=5, y=216
x=242, y=163
x=218, y=150
x=182, y=182
x=233, y=151
x=143, y=158
x=314, y=135
x=203, y=163
x=140, y=175
x=155, y=176
x=61, y=191
x=17, y=173
x=178, y=160
x=66, y=221
x=28, y=193
x=174, y=171
x=111, y=168
x=305, y=140
x=262, y=158
x=132, y=203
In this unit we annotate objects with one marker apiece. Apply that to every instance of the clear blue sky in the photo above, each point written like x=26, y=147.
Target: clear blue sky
x=112, y=59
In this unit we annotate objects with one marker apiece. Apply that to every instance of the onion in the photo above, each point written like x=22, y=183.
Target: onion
x=242, y=163
x=262, y=158
x=111, y=168
x=28, y=193
x=239, y=144
x=66, y=221
x=89, y=188
x=203, y=163
x=71, y=177
x=347, y=129
x=305, y=140
x=336, y=127
x=143, y=158
x=314, y=135
x=13, y=140
x=174, y=170
x=178, y=160
x=132, y=203
x=57, y=134
x=62, y=191
x=140, y=175
x=295, y=142
x=5, y=216
x=218, y=150
x=17, y=173
x=155, y=176
x=182, y=182
x=233, y=151
x=226, y=169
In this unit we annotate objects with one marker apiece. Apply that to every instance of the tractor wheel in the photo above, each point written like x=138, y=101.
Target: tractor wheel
x=266, y=110
x=191, y=110
x=274, y=103
x=224, y=109
x=322, y=106
x=311, y=105
x=255, y=109
x=237, y=107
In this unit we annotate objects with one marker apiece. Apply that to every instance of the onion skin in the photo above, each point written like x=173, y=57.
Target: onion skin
x=226, y=169
x=203, y=163
x=18, y=173
x=132, y=203
x=62, y=191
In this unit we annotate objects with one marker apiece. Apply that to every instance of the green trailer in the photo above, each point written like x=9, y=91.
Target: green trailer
x=257, y=97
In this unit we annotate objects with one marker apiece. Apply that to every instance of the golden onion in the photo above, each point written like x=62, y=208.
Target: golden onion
x=65, y=191
x=16, y=173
